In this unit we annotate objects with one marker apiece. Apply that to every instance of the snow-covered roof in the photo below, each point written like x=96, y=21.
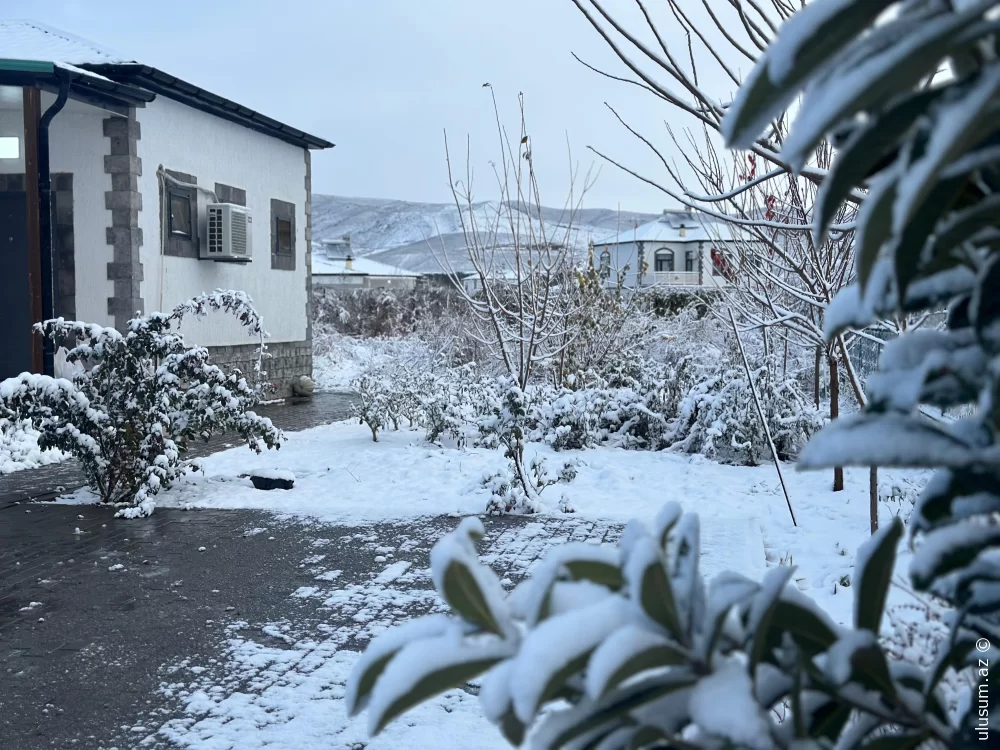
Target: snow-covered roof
x=667, y=228
x=337, y=266
x=30, y=40
x=25, y=40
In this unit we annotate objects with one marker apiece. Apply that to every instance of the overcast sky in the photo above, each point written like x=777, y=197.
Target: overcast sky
x=384, y=78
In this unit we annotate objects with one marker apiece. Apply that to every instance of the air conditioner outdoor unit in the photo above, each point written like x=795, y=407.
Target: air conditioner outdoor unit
x=229, y=234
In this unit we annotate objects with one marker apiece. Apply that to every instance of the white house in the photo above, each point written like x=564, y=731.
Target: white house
x=677, y=249
x=109, y=170
x=334, y=267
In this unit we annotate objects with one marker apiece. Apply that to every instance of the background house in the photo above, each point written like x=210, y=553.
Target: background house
x=679, y=248
x=334, y=267
x=107, y=169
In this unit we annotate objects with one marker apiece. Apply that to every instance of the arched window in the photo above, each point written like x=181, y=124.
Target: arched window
x=664, y=260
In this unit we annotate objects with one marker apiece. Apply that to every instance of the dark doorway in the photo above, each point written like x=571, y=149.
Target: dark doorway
x=15, y=310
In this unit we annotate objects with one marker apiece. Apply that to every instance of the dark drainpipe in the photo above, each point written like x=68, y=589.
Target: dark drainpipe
x=45, y=214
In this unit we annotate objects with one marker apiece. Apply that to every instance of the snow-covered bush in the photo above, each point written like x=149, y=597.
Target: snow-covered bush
x=508, y=493
x=387, y=395
x=504, y=422
x=643, y=652
x=377, y=313
x=19, y=448
x=718, y=418
x=142, y=398
x=451, y=402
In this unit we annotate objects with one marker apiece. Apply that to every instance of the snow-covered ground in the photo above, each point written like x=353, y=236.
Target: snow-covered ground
x=291, y=695
x=19, y=450
x=337, y=359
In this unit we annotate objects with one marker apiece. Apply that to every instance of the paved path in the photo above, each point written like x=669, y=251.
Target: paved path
x=103, y=620
x=46, y=482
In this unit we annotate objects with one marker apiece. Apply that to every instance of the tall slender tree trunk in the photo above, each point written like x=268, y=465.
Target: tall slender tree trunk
x=838, y=473
x=819, y=361
x=873, y=497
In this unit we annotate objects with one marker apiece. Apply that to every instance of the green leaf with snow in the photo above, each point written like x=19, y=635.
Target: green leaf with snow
x=389, y=702
x=651, y=589
x=897, y=68
x=462, y=592
x=960, y=124
x=876, y=560
x=912, y=238
x=946, y=550
x=557, y=732
x=865, y=151
x=762, y=610
x=596, y=571
x=874, y=225
x=648, y=737
x=807, y=628
x=380, y=652
x=803, y=47
x=827, y=720
x=627, y=653
x=901, y=440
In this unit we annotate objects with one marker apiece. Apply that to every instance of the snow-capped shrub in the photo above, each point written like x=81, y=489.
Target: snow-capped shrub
x=451, y=401
x=569, y=420
x=388, y=395
x=718, y=419
x=139, y=399
x=642, y=651
x=509, y=496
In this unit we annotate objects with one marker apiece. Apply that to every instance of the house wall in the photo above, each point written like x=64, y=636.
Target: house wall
x=627, y=254
x=268, y=171
x=216, y=151
x=77, y=147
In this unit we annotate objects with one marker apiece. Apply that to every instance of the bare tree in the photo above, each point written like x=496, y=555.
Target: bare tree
x=518, y=308
x=520, y=260
x=784, y=277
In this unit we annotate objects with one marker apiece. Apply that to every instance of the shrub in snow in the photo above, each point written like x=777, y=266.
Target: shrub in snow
x=19, y=448
x=628, y=647
x=718, y=419
x=504, y=423
x=509, y=495
x=450, y=402
x=373, y=405
x=142, y=398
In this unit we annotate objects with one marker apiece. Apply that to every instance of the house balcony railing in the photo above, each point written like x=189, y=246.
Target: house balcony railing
x=674, y=278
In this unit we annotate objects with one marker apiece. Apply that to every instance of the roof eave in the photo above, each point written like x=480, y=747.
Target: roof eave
x=159, y=82
x=47, y=76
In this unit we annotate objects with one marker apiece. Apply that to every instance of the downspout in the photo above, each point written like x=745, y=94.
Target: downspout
x=45, y=214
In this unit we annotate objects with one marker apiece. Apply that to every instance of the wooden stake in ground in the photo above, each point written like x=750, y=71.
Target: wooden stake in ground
x=763, y=419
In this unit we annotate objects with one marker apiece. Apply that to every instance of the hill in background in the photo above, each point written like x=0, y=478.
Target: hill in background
x=415, y=236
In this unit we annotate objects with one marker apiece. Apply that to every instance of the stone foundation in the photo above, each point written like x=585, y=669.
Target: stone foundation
x=288, y=360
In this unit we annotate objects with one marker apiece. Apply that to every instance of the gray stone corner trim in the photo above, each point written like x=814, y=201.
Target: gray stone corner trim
x=124, y=201
x=285, y=211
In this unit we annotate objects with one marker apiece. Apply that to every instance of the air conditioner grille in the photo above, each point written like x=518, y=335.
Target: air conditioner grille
x=215, y=231
x=239, y=233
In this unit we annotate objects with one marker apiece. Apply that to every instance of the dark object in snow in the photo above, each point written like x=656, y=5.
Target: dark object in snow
x=272, y=480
